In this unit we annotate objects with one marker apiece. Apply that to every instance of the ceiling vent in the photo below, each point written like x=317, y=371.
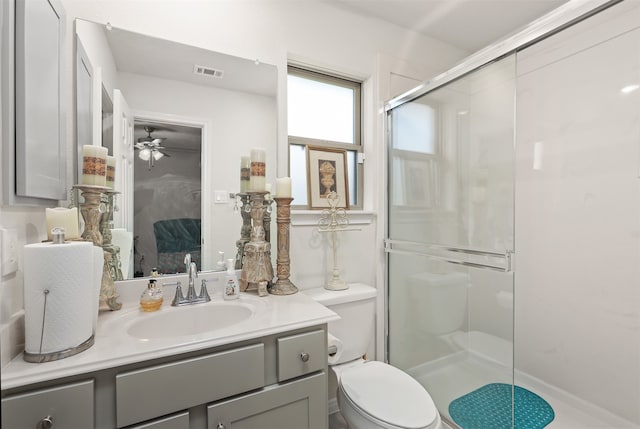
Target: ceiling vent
x=208, y=71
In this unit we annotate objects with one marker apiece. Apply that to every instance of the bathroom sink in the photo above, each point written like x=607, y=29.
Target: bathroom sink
x=191, y=320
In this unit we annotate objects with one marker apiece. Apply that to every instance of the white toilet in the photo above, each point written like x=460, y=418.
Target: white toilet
x=371, y=394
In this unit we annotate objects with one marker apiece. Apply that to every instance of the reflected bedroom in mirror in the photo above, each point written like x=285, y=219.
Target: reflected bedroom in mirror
x=177, y=119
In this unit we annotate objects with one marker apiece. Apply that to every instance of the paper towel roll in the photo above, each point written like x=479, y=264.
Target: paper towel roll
x=124, y=240
x=67, y=272
x=98, y=266
x=333, y=341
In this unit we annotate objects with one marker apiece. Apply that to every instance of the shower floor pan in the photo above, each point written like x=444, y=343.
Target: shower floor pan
x=465, y=371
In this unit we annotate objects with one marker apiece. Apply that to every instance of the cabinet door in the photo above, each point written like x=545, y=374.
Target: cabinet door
x=40, y=148
x=69, y=406
x=301, y=404
x=178, y=421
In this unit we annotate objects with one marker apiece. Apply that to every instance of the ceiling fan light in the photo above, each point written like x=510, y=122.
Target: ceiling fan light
x=144, y=154
x=157, y=155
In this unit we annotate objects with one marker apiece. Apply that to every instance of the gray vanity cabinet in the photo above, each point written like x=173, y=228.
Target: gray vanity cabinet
x=277, y=381
x=66, y=406
x=300, y=404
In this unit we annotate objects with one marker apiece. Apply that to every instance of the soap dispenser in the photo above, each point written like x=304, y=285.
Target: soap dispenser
x=151, y=298
x=231, y=286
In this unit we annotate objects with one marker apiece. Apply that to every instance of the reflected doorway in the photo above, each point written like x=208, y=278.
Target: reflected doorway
x=167, y=196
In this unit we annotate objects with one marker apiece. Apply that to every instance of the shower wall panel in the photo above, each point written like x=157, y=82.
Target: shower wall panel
x=578, y=211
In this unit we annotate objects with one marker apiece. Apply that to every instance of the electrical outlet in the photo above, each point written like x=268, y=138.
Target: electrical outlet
x=9, y=245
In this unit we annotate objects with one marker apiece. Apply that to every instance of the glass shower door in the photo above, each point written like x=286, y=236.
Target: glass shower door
x=450, y=242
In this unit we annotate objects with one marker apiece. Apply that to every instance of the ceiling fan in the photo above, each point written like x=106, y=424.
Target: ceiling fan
x=149, y=147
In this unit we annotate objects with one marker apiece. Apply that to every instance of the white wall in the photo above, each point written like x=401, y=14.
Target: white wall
x=274, y=32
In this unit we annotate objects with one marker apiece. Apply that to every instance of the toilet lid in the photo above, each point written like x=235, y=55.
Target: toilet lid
x=389, y=395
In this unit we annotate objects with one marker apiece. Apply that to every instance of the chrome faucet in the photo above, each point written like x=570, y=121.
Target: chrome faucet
x=192, y=298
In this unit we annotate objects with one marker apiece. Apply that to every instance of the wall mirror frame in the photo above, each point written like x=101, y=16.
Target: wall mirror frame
x=233, y=101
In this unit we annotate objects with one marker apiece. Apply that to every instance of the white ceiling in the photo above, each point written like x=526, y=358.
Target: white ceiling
x=467, y=24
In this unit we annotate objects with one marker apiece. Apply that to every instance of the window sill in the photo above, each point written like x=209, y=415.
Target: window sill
x=311, y=217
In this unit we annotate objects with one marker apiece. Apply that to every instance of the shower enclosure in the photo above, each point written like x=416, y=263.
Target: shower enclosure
x=513, y=229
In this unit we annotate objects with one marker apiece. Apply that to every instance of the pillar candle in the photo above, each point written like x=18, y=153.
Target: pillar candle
x=63, y=218
x=94, y=165
x=245, y=173
x=283, y=187
x=257, y=180
x=111, y=172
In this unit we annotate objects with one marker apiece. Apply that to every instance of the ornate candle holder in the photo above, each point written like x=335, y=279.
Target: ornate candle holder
x=115, y=269
x=283, y=285
x=332, y=220
x=92, y=209
x=257, y=270
x=245, y=231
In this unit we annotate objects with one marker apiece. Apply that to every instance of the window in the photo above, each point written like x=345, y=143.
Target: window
x=323, y=111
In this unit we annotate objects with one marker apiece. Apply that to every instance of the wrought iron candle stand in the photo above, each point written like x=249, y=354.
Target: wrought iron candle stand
x=257, y=270
x=245, y=231
x=331, y=220
x=92, y=209
x=115, y=270
x=283, y=286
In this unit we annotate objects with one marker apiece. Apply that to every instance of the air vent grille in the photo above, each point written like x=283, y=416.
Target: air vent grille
x=208, y=71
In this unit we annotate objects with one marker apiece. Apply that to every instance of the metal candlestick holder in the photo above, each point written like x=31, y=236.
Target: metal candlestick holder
x=92, y=209
x=283, y=285
x=245, y=231
x=331, y=220
x=257, y=270
x=115, y=269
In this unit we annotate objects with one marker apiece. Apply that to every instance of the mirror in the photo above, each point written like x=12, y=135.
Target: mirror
x=176, y=89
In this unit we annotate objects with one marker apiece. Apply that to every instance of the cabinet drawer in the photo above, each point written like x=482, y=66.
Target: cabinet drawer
x=301, y=354
x=178, y=421
x=164, y=389
x=301, y=404
x=69, y=406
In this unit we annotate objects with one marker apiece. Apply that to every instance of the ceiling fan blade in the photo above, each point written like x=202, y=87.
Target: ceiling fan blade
x=139, y=145
x=164, y=153
x=158, y=140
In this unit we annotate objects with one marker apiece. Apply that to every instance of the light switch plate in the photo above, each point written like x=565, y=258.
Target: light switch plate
x=9, y=244
x=220, y=197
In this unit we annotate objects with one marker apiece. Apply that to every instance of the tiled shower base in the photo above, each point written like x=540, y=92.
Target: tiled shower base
x=464, y=372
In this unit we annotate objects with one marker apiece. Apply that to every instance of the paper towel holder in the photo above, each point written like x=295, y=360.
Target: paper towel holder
x=48, y=357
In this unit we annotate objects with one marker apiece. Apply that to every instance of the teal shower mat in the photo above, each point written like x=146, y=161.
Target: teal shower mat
x=489, y=407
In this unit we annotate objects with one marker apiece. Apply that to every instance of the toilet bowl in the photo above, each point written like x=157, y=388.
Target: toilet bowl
x=374, y=394
x=371, y=394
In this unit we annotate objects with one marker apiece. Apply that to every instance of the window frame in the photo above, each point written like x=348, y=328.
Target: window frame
x=356, y=146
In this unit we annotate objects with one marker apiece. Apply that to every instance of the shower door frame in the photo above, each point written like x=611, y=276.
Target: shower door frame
x=552, y=23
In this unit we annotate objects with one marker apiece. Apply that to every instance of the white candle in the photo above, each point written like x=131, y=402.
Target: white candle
x=283, y=187
x=257, y=180
x=63, y=218
x=245, y=173
x=94, y=165
x=111, y=172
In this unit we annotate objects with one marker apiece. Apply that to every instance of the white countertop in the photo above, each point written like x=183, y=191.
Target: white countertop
x=115, y=347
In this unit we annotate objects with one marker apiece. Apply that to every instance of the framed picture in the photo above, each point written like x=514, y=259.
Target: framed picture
x=327, y=170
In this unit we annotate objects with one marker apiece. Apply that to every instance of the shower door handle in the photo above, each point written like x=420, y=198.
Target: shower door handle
x=468, y=257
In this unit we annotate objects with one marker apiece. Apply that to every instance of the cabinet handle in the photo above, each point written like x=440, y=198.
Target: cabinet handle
x=46, y=423
x=220, y=426
x=304, y=357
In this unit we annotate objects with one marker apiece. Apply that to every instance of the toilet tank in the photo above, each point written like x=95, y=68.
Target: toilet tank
x=356, y=307
x=438, y=301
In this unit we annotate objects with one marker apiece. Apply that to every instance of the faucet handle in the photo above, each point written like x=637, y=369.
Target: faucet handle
x=178, y=297
x=204, y=294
